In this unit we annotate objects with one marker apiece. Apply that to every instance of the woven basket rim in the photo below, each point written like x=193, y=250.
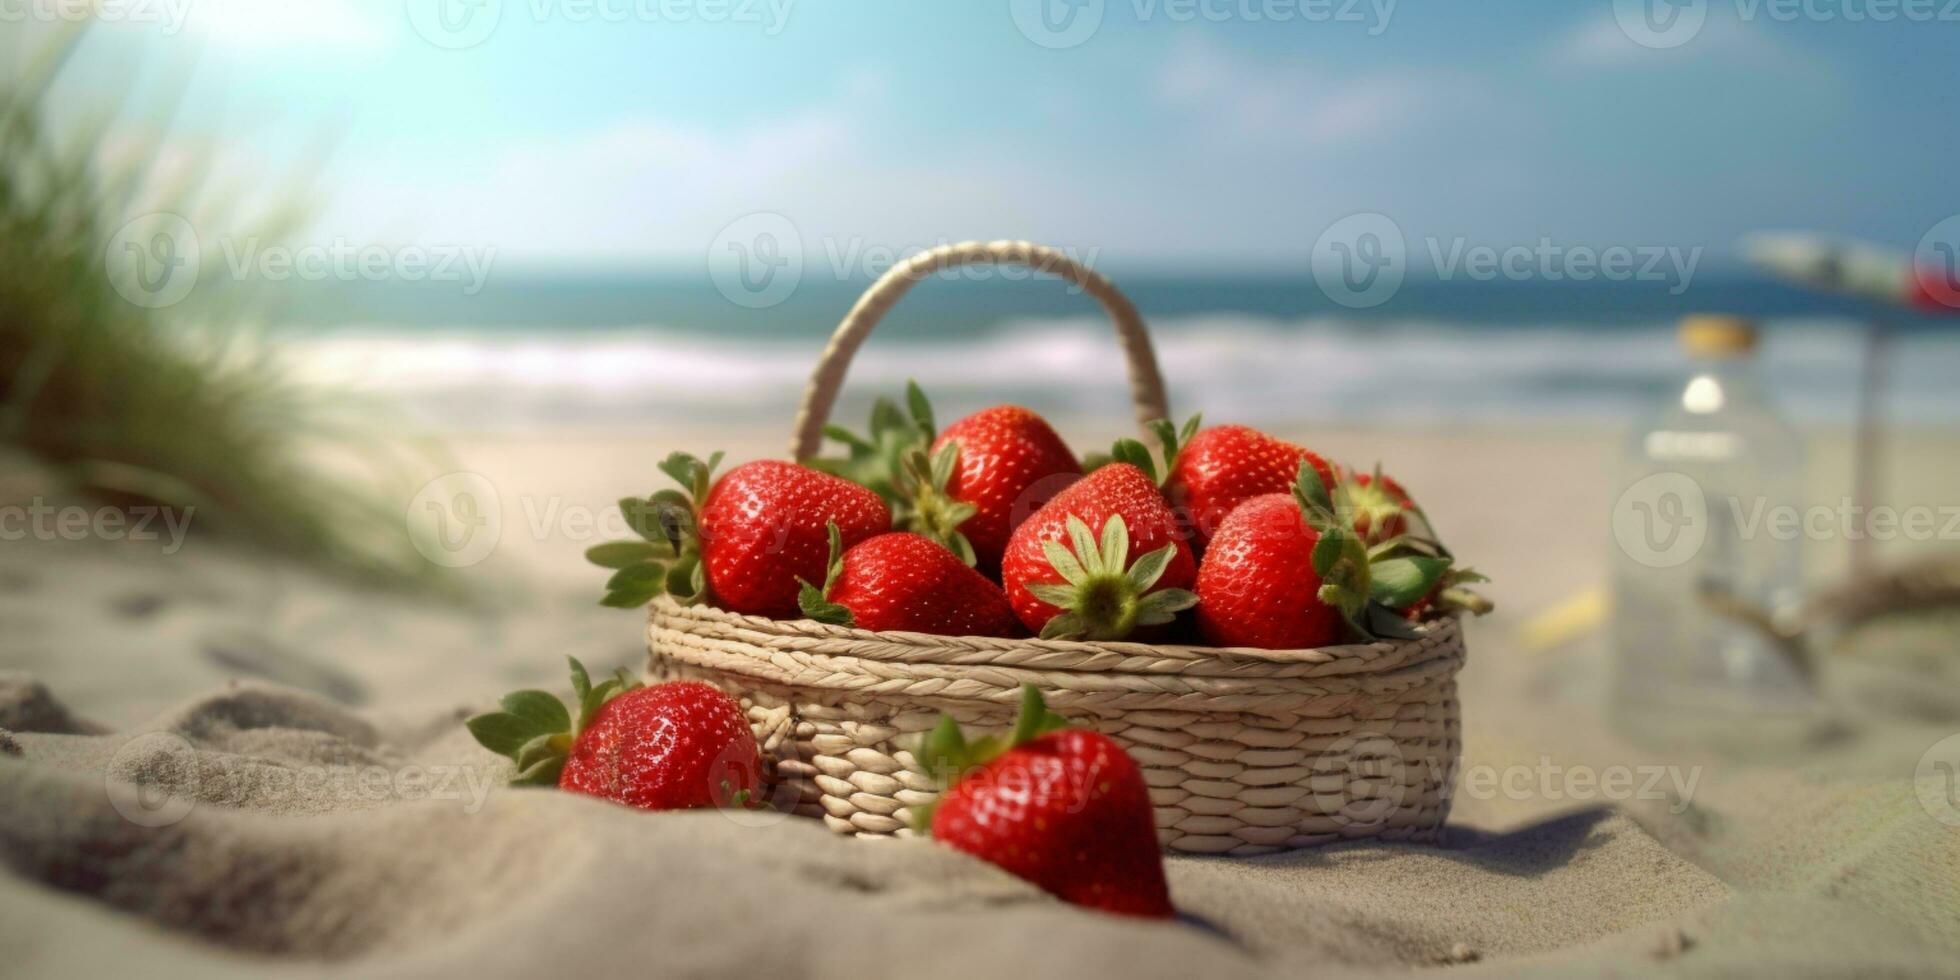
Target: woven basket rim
x=906, y=647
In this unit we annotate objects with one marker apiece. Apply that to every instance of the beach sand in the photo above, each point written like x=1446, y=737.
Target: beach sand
x=215, y=763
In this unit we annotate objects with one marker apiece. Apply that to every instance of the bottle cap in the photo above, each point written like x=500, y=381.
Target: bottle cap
x=1717, y=335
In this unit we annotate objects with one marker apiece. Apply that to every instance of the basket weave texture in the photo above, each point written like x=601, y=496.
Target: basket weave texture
x=1245, y=751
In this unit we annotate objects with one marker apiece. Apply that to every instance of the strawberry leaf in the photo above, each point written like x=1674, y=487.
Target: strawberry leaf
x=502, y=732
x=620, y=554
x=1401, y=582
x=542, y=711
x=1150, y=568
x=1035, y=720
x=544, y=772
x=921, y=408
x=634, y=578
x=811, y=600
x=1133, y=452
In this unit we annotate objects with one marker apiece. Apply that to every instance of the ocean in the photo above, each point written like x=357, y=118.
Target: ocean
x=630, y=351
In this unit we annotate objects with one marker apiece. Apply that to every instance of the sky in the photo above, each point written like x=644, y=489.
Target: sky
x=1216, y=135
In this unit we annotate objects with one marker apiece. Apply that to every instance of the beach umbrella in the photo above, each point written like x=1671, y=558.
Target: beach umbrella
x=1891, y=281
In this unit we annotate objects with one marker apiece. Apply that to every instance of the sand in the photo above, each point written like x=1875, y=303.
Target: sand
x=215, y=764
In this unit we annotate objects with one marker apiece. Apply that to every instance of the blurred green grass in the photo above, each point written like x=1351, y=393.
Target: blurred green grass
x=184, y=406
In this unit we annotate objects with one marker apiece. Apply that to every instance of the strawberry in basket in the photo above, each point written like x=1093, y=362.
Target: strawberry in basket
x=1106, y=556
x=1287, y=571
x=1064, y=808
x=751, y=538
x=671, y=746
x=967, y=486
x=1226, y=465
x=905, y=581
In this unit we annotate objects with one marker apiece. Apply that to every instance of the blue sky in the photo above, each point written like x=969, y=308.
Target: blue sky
x=1210, y=140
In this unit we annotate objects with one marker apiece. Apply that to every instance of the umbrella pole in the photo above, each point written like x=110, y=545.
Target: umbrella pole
x=1866, y=449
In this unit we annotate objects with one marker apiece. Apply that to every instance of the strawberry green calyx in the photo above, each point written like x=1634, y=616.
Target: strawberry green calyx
x=1338, y=555
x=667, y=556
x=877, y=459
x=535, y=730
x=945, y=755
x=896, y=461
x=927, y=508
x=1100, y=599
x=815, y=602
x=1170, y=441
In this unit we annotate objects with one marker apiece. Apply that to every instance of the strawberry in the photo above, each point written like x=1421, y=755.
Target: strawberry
x=1008, y=463
x=1064, y=808
x=1065, y=583
x=966, y=487
x=672, y=746
x=747, y=538
x=905, y=581
x=1381, y=507
x=1287, y=572
x=667, y=555
x=1226, y=465
x=763, y=532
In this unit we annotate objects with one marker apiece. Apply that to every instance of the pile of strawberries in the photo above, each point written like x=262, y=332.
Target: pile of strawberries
x=991, y=527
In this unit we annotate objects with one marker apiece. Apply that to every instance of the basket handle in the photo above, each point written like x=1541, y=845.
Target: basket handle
x=1146, y=381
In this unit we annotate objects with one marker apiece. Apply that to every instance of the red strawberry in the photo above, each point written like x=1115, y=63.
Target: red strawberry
x=1009, y=463
x=668, y=747
x=1063, y=808
x=1284, y=572
x=1226, y=465
x=904, y=581
x=762, y=529
x=966, y=487
x=1381, y=507
x=1064, y=582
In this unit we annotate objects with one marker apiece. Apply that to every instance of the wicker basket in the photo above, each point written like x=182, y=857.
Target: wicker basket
x=1245, y=751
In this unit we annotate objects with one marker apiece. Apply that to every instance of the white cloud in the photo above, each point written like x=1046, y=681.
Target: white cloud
x=1289, y=104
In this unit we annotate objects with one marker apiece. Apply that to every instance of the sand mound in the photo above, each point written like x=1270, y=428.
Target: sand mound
x=262, y=828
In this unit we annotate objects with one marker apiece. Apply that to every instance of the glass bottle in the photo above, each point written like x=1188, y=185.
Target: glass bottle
x=1709, y=544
